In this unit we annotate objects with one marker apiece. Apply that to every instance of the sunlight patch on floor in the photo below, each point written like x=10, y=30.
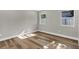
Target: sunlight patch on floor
x=24, y=36
x=61, y=46
x=55, y=45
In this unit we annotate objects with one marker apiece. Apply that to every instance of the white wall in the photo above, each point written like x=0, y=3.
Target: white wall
x=53, y=24
x=13, y=22
x=78, y=22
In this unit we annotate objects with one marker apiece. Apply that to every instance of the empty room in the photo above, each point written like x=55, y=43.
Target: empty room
x=39, y=29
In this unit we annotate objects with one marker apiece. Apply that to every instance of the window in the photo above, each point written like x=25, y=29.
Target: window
x=67, y=18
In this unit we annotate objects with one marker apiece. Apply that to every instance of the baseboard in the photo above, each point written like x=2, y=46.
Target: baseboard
x=65, y=36
x=74, y=38
x=12, y=36
x=8, y=38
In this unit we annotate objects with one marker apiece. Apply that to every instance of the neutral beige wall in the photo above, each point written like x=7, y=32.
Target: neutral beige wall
x=53, y=24
x=13, y=22
x=78, y=22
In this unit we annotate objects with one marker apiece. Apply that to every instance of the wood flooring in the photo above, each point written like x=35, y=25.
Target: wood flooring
x=40, y=41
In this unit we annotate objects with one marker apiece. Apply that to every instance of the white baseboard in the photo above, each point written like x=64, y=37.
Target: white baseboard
x=8, y=38
x=11, y=37
x=74, y=38
x=45, y=32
